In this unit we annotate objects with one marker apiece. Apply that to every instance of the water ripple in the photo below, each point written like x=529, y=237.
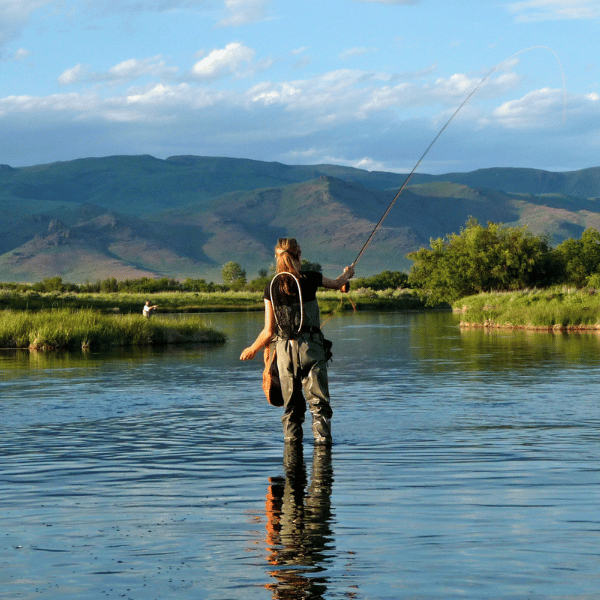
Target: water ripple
x=463, y=467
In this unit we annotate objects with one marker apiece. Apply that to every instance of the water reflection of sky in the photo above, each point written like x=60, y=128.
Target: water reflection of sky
x=464, y=466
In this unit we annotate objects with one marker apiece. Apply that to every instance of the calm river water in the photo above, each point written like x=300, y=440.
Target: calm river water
x=465, y=465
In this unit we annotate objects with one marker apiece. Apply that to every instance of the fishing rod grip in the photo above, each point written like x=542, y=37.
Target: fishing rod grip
x=346, y=287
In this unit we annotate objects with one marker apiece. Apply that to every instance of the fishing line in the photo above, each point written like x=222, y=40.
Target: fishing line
x=448, y=123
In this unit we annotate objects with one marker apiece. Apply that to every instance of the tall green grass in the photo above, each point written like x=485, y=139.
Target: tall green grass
x=194, y=302
x=558, y=308
x=72, y=329
x=125, y=302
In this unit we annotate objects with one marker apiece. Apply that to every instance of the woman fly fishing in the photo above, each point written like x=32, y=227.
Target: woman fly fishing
x=292, y=323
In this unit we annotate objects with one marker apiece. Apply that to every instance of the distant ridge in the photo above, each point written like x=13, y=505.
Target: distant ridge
x=185, y=216
x=584, y=183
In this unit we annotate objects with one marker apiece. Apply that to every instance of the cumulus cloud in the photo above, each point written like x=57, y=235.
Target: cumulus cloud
x=181, y=96
x=349, y=94
x=228, y=60
x=347, y=116
x=325, y=99
x=545, y=10
x=535, y=109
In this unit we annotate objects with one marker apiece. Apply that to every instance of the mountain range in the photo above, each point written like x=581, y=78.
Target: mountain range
x=186, y=216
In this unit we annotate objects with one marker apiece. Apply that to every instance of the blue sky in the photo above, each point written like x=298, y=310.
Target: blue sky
x=360, y=83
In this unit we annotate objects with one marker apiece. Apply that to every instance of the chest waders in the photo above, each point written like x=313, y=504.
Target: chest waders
x=301, y=361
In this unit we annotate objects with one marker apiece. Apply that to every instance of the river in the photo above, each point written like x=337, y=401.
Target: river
x=466, y=464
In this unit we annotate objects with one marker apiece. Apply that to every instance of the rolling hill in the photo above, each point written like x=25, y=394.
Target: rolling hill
x=133, y=216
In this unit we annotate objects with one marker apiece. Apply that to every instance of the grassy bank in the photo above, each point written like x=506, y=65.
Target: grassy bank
x=194, y=302
x=132, y=303
x=75, y=329
x=67, y=320
x=549, y=309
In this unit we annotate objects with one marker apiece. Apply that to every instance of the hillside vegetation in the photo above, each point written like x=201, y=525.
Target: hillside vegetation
x=128, y=217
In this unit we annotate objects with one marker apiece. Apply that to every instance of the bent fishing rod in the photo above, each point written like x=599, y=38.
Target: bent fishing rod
x=387, y=210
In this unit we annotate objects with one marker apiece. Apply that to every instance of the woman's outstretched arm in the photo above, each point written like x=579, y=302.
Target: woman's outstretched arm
x=341, y=281
x=264, y=337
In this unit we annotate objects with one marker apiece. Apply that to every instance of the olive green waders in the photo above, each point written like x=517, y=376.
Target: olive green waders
x=302, y=366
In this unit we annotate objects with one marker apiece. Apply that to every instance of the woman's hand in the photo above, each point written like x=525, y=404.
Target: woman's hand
x=349, y=271
x=248, y=353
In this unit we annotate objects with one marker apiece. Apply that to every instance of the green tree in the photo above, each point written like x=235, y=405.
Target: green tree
x=233, y=274
x=49, y=284
x=383, y=281
x=198, y=285
x=580, y=259
x=311, y=266
x=482, y=259
x=109, y=285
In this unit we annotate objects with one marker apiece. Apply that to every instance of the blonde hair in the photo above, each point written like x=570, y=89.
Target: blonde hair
x=287, y=256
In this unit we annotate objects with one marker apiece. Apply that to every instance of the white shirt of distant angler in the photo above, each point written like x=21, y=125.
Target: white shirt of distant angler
x=148, y=310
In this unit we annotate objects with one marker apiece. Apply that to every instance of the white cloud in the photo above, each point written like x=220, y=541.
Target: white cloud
x=228, y=60
x=75, y=74
x=349, y=95
x=73, y=103
x=124, y=71
x=134, y=68
x=545, y=10
x=242, y=12
x=323, y=100
x=457, y=85
x=536, y=109
x=362, y=118
x=337, y=98
x=183, y=96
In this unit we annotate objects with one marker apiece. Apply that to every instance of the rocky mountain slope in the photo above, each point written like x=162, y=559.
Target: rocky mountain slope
x=134, y=216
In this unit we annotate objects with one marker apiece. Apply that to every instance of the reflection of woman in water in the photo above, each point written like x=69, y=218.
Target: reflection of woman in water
x=299, y=526
x=292, y=319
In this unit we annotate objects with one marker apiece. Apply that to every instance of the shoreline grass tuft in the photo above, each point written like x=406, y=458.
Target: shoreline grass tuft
x=90, y=329
x=555, y=309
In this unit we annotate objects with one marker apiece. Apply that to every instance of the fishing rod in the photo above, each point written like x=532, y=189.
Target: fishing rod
x=387, y=210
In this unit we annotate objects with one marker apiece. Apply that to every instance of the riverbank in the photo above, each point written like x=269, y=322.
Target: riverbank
x=202, y=302
x=89, y=329
x=555, y=309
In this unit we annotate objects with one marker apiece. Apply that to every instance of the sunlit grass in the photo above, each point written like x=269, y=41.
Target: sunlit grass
x=71, y=329
x=194, y=302
x=557, y=308
x=125, y=303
